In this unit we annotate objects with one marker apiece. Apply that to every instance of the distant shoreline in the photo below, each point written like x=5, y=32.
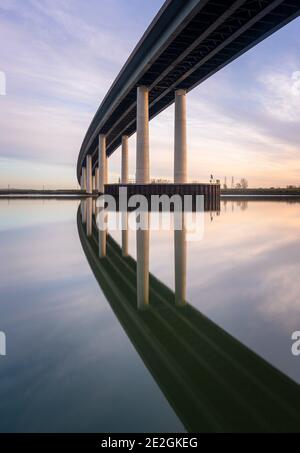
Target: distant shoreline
x=13, y=191
x=294, y=192
x=36, y=194
x=69, y=194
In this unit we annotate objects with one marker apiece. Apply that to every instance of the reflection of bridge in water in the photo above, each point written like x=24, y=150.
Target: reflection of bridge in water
x=213, y=382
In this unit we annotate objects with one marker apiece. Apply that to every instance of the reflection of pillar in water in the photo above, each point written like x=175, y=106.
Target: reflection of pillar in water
x=94, y=206
x=125, y=233
x=83, y=211
x=180, y=264
x=89, y=214
x=142, y=267
x=102, y=234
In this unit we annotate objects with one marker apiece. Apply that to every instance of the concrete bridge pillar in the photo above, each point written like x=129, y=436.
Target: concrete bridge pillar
x=124, y=165
x=94, y=182
x=180, y=264
x=142, y=136
x=180, y=151
x=83, y=178
x=142, y=265
x=97, y=179
x=89, y=178
x=106, y=179
x=102, y=162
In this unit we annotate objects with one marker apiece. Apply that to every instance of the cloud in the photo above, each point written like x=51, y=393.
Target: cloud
x=61, y=57
x=282, y=95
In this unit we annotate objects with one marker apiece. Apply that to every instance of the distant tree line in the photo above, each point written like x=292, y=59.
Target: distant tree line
x=242, y=184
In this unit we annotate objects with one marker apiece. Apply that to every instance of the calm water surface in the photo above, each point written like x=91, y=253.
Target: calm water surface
x=70, y=363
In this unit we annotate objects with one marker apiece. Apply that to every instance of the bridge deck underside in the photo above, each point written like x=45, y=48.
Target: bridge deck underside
x=216, y=33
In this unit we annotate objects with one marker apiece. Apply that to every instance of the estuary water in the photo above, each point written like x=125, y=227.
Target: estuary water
x=81, y=357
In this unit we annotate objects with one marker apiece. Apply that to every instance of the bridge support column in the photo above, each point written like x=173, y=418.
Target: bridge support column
x=124, y=165
x=94, y=182
x=83, y=178
x=180, y=264
x=142, y=265
x=89, y=177
x=106, y=170
x=102, y=162
x=97, y=178
x=180, y=151
x=142, y=136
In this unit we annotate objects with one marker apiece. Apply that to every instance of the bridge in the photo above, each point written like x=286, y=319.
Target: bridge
x=186, y=43
x=213, y=382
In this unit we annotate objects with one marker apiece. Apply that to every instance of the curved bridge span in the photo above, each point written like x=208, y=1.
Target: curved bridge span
x=187, y=42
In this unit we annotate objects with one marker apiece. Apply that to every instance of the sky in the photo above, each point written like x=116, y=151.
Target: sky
x=58, y=59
